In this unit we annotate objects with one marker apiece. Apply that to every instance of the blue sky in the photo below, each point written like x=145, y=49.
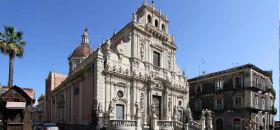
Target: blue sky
x=211, y=35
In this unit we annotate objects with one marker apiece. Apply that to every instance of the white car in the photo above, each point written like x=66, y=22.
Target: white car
x=45, y=126
x=50, y=126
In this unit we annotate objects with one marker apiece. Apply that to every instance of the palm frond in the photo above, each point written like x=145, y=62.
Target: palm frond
x=12, y=42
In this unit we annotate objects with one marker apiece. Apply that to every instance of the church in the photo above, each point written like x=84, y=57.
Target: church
x=131, y=81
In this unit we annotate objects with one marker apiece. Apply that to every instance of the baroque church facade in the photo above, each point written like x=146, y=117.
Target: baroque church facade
x=131, y=81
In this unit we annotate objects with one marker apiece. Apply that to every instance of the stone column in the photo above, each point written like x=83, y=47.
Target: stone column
x=186, y=126
x=71, y=101
x=154, y=125
x=27, y=119
x=209, y=120
x=202, y=120
x=81, y=102
x=138, y=117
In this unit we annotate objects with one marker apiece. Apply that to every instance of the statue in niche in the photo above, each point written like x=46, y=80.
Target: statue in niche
x=138, y=109
x=99, y=108
x=175, y=111
x=169, y=105
x=169, y=61
x=111, y=107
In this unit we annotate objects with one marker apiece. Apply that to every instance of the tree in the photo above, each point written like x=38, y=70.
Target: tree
x=12, y=44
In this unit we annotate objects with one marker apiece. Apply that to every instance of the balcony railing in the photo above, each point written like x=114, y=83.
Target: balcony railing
x=165, y=124
x=178, y=124
x=195, y=125
x=122, y=123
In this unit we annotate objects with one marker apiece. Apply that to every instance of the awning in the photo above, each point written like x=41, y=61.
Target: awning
x=15, y=105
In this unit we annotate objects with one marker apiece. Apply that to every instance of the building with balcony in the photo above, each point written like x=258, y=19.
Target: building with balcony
x=240, y=97
x=131, y=81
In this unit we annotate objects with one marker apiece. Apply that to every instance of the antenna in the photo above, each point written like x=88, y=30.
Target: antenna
x=201, y=70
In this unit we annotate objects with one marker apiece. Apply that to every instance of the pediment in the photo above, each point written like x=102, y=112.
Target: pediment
x=122, y=84
x=157, y=46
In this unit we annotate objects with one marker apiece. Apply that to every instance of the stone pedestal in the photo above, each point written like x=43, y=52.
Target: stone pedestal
x=154, y=125
x=186, y=126
x=138, y=119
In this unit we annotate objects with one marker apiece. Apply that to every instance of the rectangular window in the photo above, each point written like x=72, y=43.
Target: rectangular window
x=219, y=85
x=156, y=59
x=237, y=82
x=198, y=105
x=119, y=112
x=237, y=102
x=198, y=89
x=256, y=82
x=263, y=103
x=219, y=104
x=256, y=102
x=157, y=103
x=180, y=115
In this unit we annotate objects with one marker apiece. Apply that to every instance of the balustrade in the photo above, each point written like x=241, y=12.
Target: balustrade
x=165, y=124
x=122, y=123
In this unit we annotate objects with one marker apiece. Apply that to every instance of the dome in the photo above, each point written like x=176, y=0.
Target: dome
x=83, y=50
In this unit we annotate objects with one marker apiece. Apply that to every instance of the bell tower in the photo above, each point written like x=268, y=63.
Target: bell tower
x=148, y=15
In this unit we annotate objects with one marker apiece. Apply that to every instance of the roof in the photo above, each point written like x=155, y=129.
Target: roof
x=30, y=92
x=266, y=73
x=27, y=91
x=83, y=50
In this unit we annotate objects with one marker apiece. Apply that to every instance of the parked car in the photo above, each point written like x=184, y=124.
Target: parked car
x=37, y=126
x=50, y=126
x=44, y=126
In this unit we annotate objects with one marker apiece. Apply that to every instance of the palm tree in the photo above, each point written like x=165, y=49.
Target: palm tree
x=12, y=44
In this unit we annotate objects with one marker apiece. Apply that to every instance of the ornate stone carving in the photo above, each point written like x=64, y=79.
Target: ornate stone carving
x=120, y=69
x=138, y=108
x=126, y=72
x=169, y=61
x=169, y=104
x=142, y=101
x=142, y=50
x=153, y=110
x=114, y=68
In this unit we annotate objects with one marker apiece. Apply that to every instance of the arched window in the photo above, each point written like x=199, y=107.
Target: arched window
x=156, y=23
x=163, y=27
x=257, y=123
x=236, y=124
x=219, y=124
x=149, y=19
x=263, y=103
x=263, y=122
